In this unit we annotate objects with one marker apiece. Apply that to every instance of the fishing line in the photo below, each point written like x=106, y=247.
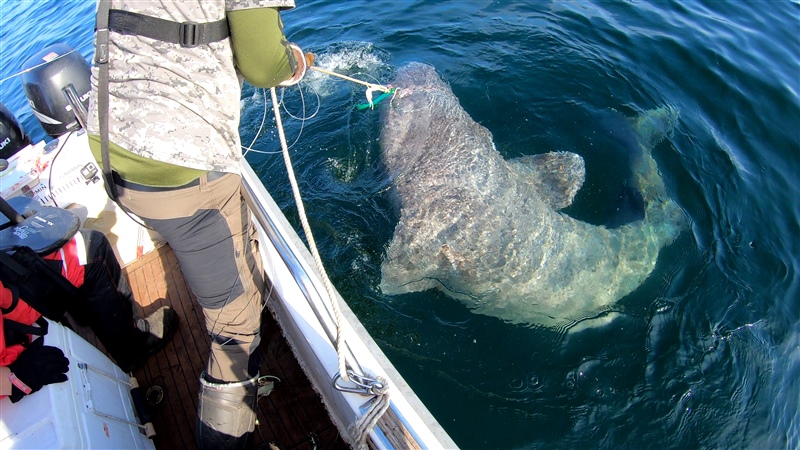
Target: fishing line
x=50, y=173
x=232, y=338
x=371, y=87
x=303, y=102
x=303, y=118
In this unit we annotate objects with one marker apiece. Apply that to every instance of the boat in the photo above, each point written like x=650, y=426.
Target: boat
x=313, y=404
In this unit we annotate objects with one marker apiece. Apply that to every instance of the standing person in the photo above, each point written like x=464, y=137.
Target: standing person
x=174, y=91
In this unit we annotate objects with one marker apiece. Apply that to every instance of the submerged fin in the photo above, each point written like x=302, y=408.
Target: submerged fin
x=557, y=175
x=651, y=126
x=628, y=207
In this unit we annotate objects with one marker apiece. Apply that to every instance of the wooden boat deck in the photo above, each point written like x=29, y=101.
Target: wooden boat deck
x=291, y=417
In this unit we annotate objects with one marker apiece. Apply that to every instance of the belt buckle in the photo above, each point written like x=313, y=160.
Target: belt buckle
x=189, y=34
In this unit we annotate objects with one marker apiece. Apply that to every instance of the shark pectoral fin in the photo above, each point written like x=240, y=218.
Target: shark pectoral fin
x=407, y=265
x=401, y=276
x=556, y=175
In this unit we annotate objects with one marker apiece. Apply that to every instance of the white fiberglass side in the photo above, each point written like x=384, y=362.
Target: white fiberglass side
x=303, y=311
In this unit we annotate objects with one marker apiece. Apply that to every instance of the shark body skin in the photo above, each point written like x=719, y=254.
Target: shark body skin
x=489, y=232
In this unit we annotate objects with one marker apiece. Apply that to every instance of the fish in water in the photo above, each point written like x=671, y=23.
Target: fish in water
x=489, y=232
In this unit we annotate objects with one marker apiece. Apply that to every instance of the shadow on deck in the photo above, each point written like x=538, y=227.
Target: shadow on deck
x=291, y=417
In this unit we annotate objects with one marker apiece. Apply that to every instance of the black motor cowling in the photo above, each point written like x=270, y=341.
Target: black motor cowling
x=12, y=137
x=56, y=82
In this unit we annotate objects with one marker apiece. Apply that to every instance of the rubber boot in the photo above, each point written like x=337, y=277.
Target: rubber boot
x=226, y=413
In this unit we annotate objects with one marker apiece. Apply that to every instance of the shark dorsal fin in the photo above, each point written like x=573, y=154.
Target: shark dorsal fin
x=556, y=175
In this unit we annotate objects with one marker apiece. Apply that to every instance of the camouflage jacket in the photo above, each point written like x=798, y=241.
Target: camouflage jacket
x=170, y=103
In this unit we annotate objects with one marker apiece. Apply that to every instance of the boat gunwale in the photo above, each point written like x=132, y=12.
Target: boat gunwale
x=414, y=417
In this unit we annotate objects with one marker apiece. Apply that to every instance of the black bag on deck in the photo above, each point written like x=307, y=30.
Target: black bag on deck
x=38, y=282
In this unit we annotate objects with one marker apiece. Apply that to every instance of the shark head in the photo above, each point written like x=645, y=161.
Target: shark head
x=418, y=76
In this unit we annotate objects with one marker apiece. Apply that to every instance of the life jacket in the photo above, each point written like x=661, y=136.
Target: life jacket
x=32, y=286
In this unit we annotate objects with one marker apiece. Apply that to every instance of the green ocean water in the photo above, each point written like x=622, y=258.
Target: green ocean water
x=706, y=353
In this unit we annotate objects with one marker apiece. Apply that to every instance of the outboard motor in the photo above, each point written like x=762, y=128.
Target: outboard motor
x=56, y=82
x=12, y=137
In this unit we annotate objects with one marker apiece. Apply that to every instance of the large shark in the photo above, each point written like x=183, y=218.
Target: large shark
x=489, y=232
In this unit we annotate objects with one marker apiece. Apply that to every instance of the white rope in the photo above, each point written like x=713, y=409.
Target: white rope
x=370, y=86
x=301, y=211
x=361, y=428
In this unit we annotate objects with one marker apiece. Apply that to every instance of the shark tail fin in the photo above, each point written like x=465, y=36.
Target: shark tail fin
x=651, y=127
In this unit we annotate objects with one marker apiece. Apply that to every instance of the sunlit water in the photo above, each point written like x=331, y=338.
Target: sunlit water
x=706, y=353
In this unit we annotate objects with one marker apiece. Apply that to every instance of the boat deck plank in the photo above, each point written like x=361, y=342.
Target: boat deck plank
x=292, y=417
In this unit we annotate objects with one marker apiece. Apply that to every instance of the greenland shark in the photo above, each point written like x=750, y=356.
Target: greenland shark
x=488, y=231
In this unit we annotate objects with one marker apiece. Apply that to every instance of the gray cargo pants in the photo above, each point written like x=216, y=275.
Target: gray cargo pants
x=207, y=224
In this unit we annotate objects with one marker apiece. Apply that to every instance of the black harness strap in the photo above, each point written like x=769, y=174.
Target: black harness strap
x=187, y=34
x=14, y=300
x=44, y=289
x=101, y=59
x=17, y=333
x=41, y=330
